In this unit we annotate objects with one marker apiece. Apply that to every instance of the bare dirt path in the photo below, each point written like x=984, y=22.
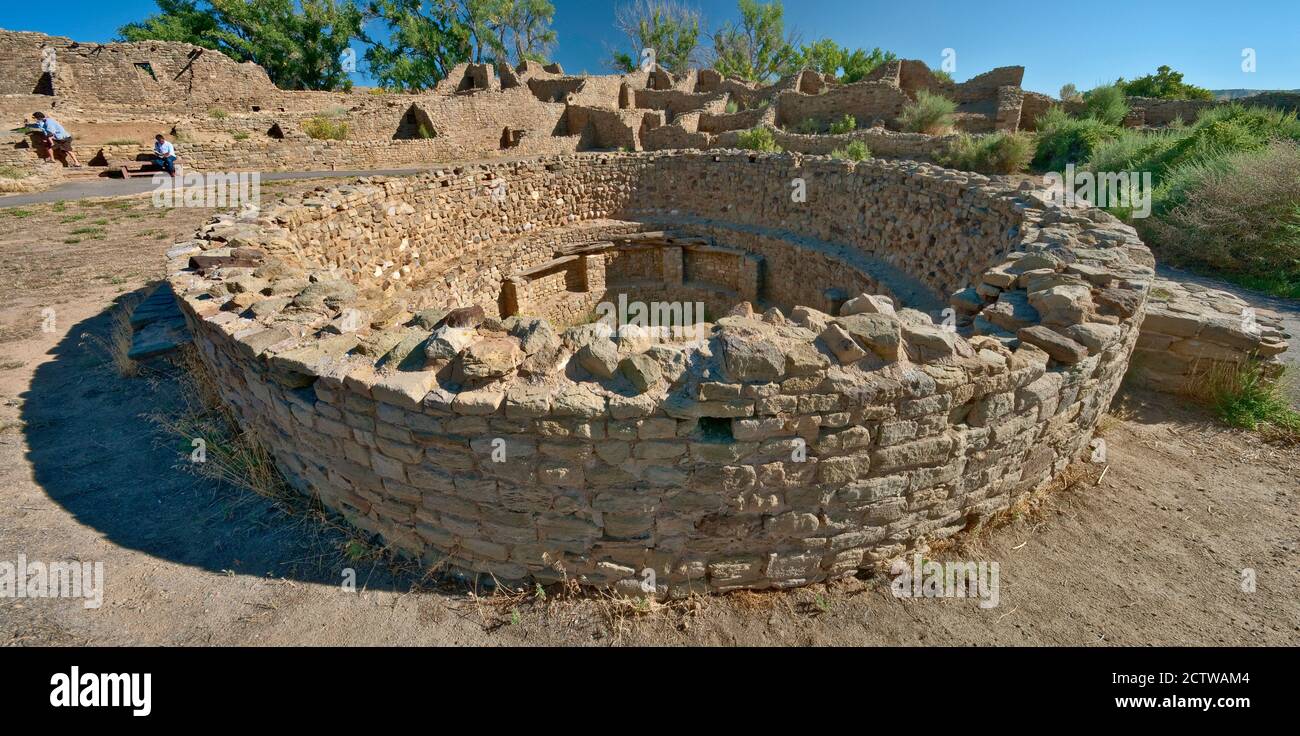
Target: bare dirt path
x=1153, y=554
x=106, y=187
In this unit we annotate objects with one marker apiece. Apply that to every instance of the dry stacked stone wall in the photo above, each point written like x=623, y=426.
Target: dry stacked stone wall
x=1192, y=332
x=772, y=447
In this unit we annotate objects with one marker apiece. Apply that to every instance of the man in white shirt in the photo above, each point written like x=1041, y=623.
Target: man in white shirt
x=164, y=154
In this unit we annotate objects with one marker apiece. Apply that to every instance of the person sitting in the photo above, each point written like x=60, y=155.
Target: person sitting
x=164, y=154
x=56, y=136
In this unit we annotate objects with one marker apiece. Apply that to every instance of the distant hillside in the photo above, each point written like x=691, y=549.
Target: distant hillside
x=1237, y=94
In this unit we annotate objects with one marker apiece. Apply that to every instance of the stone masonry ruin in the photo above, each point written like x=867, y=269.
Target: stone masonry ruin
x=835, y=382
x=824, y=423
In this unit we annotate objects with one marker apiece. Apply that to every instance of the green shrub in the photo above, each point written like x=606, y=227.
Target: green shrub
x=1165, y=84
x=732, y=107
x=1238, y=215
x=1107, y=104
x=240, y=136
x=808, y=127
x=12, y=172
x=1265, y=122
x=931, y=114
x=324, y=129
x=1131, y=149
x=1065, y=140
x=854, y=151
x=758, y=139
x=846, y=124
x=217, y=113
x=998, y=153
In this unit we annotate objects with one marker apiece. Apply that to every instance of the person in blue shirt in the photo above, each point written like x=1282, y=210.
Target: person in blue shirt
x=58, y=138
x=164, y=154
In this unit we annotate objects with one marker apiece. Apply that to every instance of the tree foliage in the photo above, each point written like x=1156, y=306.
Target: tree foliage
x=524, y=26
x=860, y=63
x=671, y=28
x=300, y=43
x=828, y=57
x=427, y=38
x=757, y=48
x=177, y=20
x=824, y=56
x=1165, y=84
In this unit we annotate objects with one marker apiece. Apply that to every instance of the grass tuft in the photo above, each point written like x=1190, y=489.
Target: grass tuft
x=1248, y=397
x=117, y=347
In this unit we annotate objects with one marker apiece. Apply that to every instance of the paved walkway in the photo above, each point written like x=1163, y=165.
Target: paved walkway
x=106, y=187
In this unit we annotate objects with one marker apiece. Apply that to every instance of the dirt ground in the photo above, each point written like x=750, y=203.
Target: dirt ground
x=1151, y=552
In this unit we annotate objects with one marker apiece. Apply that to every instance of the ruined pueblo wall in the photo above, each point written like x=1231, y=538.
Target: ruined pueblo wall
x=1192, y=332
x=153, y=74
x=768, y=452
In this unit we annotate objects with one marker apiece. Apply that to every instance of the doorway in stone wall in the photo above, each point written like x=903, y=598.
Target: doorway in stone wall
x=415, y=125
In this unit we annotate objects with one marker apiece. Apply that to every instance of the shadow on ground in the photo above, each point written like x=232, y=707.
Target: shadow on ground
x=97, y=451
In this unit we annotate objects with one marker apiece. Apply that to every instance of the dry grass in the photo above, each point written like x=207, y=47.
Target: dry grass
x=117, y=347
x=1248, y=397
x=1030, y=508
x=236, y=459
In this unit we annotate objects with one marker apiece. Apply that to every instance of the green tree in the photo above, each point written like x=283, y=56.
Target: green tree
x=671, y=28
x=861, y=62
x=300, y=43
x=178, y=20
x=1165, y=84
x=484, y=20
x=499, y=27
x=528, y=24
x=828, y=57
x=757, y=49
x=824, y=56
x=427, y=38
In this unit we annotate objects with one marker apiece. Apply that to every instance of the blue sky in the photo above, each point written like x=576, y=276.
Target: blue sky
x=1082, y=43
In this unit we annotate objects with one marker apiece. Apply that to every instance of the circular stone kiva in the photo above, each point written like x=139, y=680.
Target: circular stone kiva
x=589, y=367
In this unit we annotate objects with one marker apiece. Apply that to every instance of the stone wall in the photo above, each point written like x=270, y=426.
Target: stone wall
x=865, y=101
x=1191, y=332
x=152, y=74
x=764, y=452
x=313, y=155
